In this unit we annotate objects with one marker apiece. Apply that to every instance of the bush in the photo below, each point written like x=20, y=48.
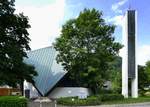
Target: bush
x=104, y=91
x=111, y=97
x=93, y=100
x=12, y=101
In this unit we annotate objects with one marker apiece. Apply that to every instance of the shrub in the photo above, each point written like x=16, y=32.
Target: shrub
x=93, y=100
x=12, y=101
x=104, y=91
x=111, y=97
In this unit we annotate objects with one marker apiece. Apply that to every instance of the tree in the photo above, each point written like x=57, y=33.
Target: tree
x=14, y=43
x=115, y=74
x=142, y=77
x=147, y=70
x=85, y=47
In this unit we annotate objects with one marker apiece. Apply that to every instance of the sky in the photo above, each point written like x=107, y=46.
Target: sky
x=46, y=18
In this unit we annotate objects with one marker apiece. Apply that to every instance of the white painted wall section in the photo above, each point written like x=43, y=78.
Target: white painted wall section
x=134, y=83
x=125, y=59
x=69, y=92
x=33, y=91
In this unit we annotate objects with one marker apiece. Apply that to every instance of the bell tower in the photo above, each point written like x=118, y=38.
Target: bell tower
x=129, y=62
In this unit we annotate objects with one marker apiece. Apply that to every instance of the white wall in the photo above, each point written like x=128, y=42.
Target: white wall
x=69, y=92
x=125, y=57
x=33, y=91
x=59, y=91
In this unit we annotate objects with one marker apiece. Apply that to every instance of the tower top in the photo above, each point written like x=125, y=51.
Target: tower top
x=129, y=5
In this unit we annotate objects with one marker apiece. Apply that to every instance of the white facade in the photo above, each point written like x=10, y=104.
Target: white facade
x=125, y=59
x=134, y=84
x=59, y=91
x=69, y=92
x=33, y=91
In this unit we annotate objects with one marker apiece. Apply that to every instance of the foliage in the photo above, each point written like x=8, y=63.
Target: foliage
x=13, y=101
x=119, y=101
x=14, y=43
x=86, y=46
x=146, y=93
x=104, y=91
x=147, y=70
x=142, y=77
x=111, y=97
x=79, y=102
x=91, y=100
x=115, y=74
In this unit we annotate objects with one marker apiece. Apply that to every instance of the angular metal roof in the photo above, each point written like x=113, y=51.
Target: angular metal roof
x=49, y=72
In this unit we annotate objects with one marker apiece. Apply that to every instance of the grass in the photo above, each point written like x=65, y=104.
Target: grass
x=13, y=101
x=128, y=101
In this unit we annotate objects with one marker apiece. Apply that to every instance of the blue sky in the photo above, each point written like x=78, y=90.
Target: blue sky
x=47, y=16
x=142, y=8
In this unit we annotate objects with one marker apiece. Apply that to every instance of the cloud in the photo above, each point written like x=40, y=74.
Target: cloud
x=115, y=7
x=143, y=54
x=45, y=22
x=116, y=20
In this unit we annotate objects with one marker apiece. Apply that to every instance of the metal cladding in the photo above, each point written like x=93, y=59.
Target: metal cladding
x=131, y=44
x=49, y=72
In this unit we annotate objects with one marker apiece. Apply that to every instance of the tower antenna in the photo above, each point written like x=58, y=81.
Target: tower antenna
x=129, y=7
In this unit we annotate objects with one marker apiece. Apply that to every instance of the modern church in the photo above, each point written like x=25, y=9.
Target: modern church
x=50, y=80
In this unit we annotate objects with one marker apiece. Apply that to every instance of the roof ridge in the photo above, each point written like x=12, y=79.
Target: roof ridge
x=41, y=48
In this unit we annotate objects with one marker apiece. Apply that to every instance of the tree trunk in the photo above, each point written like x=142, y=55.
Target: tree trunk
x=22, y=87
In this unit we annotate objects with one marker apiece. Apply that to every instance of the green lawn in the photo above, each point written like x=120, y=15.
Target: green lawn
x=13, y=101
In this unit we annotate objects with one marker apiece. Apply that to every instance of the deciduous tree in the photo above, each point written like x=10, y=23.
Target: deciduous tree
x=85, y=48
x=14, y=43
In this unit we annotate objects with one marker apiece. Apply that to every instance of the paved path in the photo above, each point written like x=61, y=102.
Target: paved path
x=147, y=104
x=36, y=104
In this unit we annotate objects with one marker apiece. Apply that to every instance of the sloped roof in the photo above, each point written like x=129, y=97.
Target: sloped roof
x=49, y=72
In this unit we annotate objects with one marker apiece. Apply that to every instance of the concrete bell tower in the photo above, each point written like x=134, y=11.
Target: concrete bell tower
x=129, y=62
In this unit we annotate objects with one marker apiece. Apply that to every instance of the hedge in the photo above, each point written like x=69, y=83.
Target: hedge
x=13, y=101
x=111, y=97
x=79, y=102
x=92, y=100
